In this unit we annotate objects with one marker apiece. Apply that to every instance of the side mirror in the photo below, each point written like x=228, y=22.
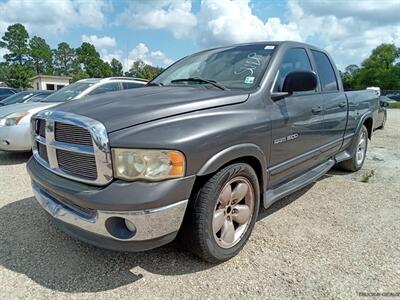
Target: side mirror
x=384, y=104
x=297, y=81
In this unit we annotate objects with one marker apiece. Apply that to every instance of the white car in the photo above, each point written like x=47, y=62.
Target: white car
x=15, y=119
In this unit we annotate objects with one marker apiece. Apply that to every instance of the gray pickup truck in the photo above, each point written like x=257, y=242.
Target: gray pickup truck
x=197, y=151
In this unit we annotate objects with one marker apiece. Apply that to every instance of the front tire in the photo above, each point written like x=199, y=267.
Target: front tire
x=359, y=150
x=222, y=214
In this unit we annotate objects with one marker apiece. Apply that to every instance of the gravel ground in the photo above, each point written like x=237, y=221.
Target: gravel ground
x=334, y=239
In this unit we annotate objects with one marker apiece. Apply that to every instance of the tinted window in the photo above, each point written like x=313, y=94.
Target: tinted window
x=131, y=85
x=325, y=71
x=17, y=98
x=294, y=59
x=6, y=92
x=108, y=87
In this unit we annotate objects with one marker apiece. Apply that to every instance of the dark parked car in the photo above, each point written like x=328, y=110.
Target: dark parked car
x=6, y=92
x=25, y=97
x=212, y=138
x=382, y=113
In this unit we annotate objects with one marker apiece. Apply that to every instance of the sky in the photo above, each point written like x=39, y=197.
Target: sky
x=162, y=31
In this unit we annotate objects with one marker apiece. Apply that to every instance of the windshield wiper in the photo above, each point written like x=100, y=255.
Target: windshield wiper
x=201, y=80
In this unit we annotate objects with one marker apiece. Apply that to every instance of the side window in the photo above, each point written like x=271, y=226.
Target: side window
x=294, y=59
x=105, y=88
x=131, y=85
x=325, y=72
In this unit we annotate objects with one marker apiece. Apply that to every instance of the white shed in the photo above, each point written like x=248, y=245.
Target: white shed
x=49, y=82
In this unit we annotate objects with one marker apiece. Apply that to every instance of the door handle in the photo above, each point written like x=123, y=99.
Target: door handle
x=316, y=109
x=342, y=104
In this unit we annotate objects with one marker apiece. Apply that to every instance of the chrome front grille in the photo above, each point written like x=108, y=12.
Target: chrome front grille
x=72, y=134
x=72, y=146
x=77, y=164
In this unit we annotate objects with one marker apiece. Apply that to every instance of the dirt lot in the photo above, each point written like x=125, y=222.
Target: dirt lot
x=333, y=239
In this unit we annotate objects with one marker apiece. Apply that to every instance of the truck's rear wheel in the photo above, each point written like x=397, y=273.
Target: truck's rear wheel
x=222, y=214
x=359, y=152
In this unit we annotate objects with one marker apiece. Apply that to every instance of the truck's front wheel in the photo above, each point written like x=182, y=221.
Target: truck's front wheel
x=222, y=214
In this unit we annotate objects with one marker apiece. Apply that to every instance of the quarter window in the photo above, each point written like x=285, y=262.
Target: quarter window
x=325, y=70
x=131, y=85
x=295, y=59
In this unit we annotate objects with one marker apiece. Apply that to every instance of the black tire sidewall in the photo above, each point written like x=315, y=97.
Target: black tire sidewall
x=222, y=177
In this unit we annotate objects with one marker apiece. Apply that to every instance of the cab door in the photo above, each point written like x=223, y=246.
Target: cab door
x=334, y=104
x=297, y=123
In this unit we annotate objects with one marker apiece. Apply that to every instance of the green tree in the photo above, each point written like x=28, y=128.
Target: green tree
x=140, y=69
x=116, y=67
x=92, y=64
x=19, y=76
x=65, y=60
x=15, y=40
x=41, y=56
x=380, y=69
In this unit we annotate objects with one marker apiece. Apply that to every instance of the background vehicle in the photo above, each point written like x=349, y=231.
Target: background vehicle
x=6, y=92
x=382, y=113
x=25, y=97
x=15, y=119
x=212, y=138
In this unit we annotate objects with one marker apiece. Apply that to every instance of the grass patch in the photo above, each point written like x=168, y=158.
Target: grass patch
x=367, y=176
x=394, y=105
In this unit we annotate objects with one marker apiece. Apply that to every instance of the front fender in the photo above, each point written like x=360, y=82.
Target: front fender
x=235, y=152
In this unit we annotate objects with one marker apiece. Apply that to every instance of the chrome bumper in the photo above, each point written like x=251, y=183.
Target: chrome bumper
x=149, y=224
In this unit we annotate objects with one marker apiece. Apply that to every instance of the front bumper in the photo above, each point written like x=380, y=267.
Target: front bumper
x=15, y=138
x=152, y=223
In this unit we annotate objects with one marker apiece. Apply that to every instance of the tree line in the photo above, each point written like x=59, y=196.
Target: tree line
x=380, y=69
x=26, y=57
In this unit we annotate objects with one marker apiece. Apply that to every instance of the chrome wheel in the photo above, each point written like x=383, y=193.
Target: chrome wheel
x=361, y=148
x=233, y=212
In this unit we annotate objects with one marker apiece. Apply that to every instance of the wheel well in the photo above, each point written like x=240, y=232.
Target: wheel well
x=250, y=160
x=368, y=123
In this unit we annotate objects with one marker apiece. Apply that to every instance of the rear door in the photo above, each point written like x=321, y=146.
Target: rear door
x=334, y=104
x=297, y=121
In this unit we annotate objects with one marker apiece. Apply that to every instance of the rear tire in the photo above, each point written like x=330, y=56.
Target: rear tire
x=359, y=150
x=222, y=214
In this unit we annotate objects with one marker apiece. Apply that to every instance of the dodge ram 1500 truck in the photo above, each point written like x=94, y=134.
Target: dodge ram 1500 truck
x=196, y=152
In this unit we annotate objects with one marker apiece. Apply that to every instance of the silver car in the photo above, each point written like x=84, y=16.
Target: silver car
x=15, y=119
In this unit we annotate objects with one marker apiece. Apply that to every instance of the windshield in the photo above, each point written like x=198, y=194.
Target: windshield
x=238, y=67
x=68, y=92
x=16, y=98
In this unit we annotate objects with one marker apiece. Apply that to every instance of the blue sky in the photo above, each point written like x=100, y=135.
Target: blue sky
x=161, y=31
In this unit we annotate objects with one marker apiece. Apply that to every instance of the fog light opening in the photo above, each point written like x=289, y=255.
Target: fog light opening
x=120, y=228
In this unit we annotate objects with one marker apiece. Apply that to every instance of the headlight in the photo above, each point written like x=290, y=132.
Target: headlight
x=13, y=119
x=152, y=165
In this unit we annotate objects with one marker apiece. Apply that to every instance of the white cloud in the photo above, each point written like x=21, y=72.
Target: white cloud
x=100, y=42
x=173, y=15
x=349, y=31
x=49, y=16
x=142, y=52
x=224, y=22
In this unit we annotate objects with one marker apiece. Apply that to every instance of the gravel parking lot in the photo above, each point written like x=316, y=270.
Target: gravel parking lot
x=334, y=239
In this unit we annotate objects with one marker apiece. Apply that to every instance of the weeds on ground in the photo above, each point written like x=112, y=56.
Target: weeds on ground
x=367, y=176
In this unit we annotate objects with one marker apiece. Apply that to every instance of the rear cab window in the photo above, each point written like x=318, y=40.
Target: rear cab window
x=325, y=72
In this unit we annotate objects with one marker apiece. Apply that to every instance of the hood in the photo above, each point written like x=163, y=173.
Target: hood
x=21, y=107
x=127, y=108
